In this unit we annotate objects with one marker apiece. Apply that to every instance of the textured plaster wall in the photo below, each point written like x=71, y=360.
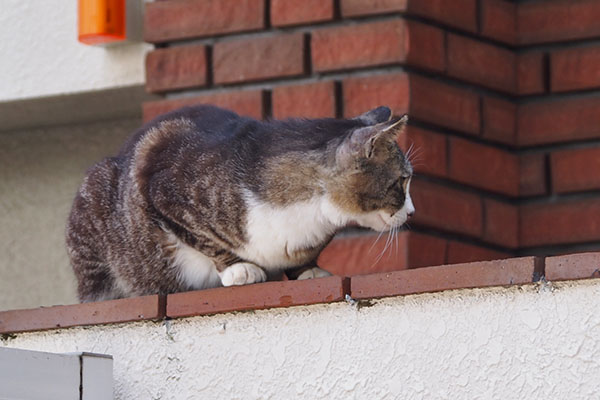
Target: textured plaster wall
x=41, y=55
x=518, y=343
x=40, y=171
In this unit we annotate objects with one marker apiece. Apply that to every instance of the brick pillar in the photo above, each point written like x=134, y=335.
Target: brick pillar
x=498, y=93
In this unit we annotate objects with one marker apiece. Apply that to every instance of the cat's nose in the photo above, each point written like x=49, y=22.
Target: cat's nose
x=410, y=214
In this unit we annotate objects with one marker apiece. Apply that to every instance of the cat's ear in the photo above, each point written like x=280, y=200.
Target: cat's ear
x=375, y=116
x=364, y=142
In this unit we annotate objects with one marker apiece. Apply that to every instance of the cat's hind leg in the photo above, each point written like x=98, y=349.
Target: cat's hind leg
x=95, y=281
x=242, y=273
x=314, y=272
x=307, y=272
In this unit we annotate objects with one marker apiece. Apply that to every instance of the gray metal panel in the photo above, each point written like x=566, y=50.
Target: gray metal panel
x=37, y=375
x=96, y=377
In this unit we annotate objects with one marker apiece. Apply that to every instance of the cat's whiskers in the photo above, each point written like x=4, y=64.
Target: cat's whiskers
x=387, y=242
x=413, y=153
x=375, y=242
x=416, y=160
x=417, y=165
x=416, y=153
x=392, y=242
x=409, y=151
x=396, y=241
x=392, y=245
x=398, y=230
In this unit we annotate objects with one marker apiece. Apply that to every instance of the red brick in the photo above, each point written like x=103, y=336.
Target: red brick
x=573, y=266
x=352, y=8
x=313, y=100
x=364, y=254
x=176, y=68
x=481, y=63
x=501, y=223
x=574, y=221
x=365, y=93
x=483, y=166
x=461, y=14
x=366, y=44
x=378, y=43
x=559, y=121
x=459, y=252
x=575, y=68
x=514, y=271
x=532, y=175
x=180, y=19
x=428, y=100
x=247, y=102
x=258, y=58
x=104, y=312
x=257, y=296
x=500, y=120
x=425, y=46
x=428, y=153
x=446, y=209
x=444, y=105
x=530, y=73
x=498, y=20
x=558, y=20
x=425, y=250
x=285, y=12
x=575, y=170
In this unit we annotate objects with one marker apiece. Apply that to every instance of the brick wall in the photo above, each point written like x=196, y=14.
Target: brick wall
x=501, y=94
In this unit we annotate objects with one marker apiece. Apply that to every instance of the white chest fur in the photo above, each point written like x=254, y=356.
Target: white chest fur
x=195, y=270
x=276, y=232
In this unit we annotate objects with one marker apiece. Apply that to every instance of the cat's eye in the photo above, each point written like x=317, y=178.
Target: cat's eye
x=405, y=182
x=400, y=180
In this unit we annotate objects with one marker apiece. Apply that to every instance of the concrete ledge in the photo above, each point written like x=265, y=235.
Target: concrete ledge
x=124, y=102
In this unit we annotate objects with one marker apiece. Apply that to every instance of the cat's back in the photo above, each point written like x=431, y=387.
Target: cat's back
x=203, y=124
x=94, y=204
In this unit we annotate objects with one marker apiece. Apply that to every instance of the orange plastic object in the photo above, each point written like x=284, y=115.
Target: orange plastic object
x=101, y=21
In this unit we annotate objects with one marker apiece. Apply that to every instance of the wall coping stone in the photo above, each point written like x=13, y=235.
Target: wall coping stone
x=508, y=272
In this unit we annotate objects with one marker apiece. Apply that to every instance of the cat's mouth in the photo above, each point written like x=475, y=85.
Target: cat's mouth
x=385, y=223
x=376, y=220
x=389, y=222
x=380, y=221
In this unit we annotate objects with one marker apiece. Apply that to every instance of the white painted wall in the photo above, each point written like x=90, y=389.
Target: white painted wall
x=504, y=343
x=40, y=172
x=63, y=107
x=40, y=54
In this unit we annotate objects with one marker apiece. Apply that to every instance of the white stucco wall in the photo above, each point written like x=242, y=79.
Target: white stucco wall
x=40, y=54
x=504, y=343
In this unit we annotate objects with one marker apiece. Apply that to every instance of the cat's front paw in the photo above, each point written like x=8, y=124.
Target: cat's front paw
x=314, y=272
x=242, y=274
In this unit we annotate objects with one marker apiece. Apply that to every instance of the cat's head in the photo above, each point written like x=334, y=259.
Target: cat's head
x=373, y=175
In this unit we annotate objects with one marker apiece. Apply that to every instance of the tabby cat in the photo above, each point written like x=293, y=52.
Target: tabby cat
x=202, y=197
